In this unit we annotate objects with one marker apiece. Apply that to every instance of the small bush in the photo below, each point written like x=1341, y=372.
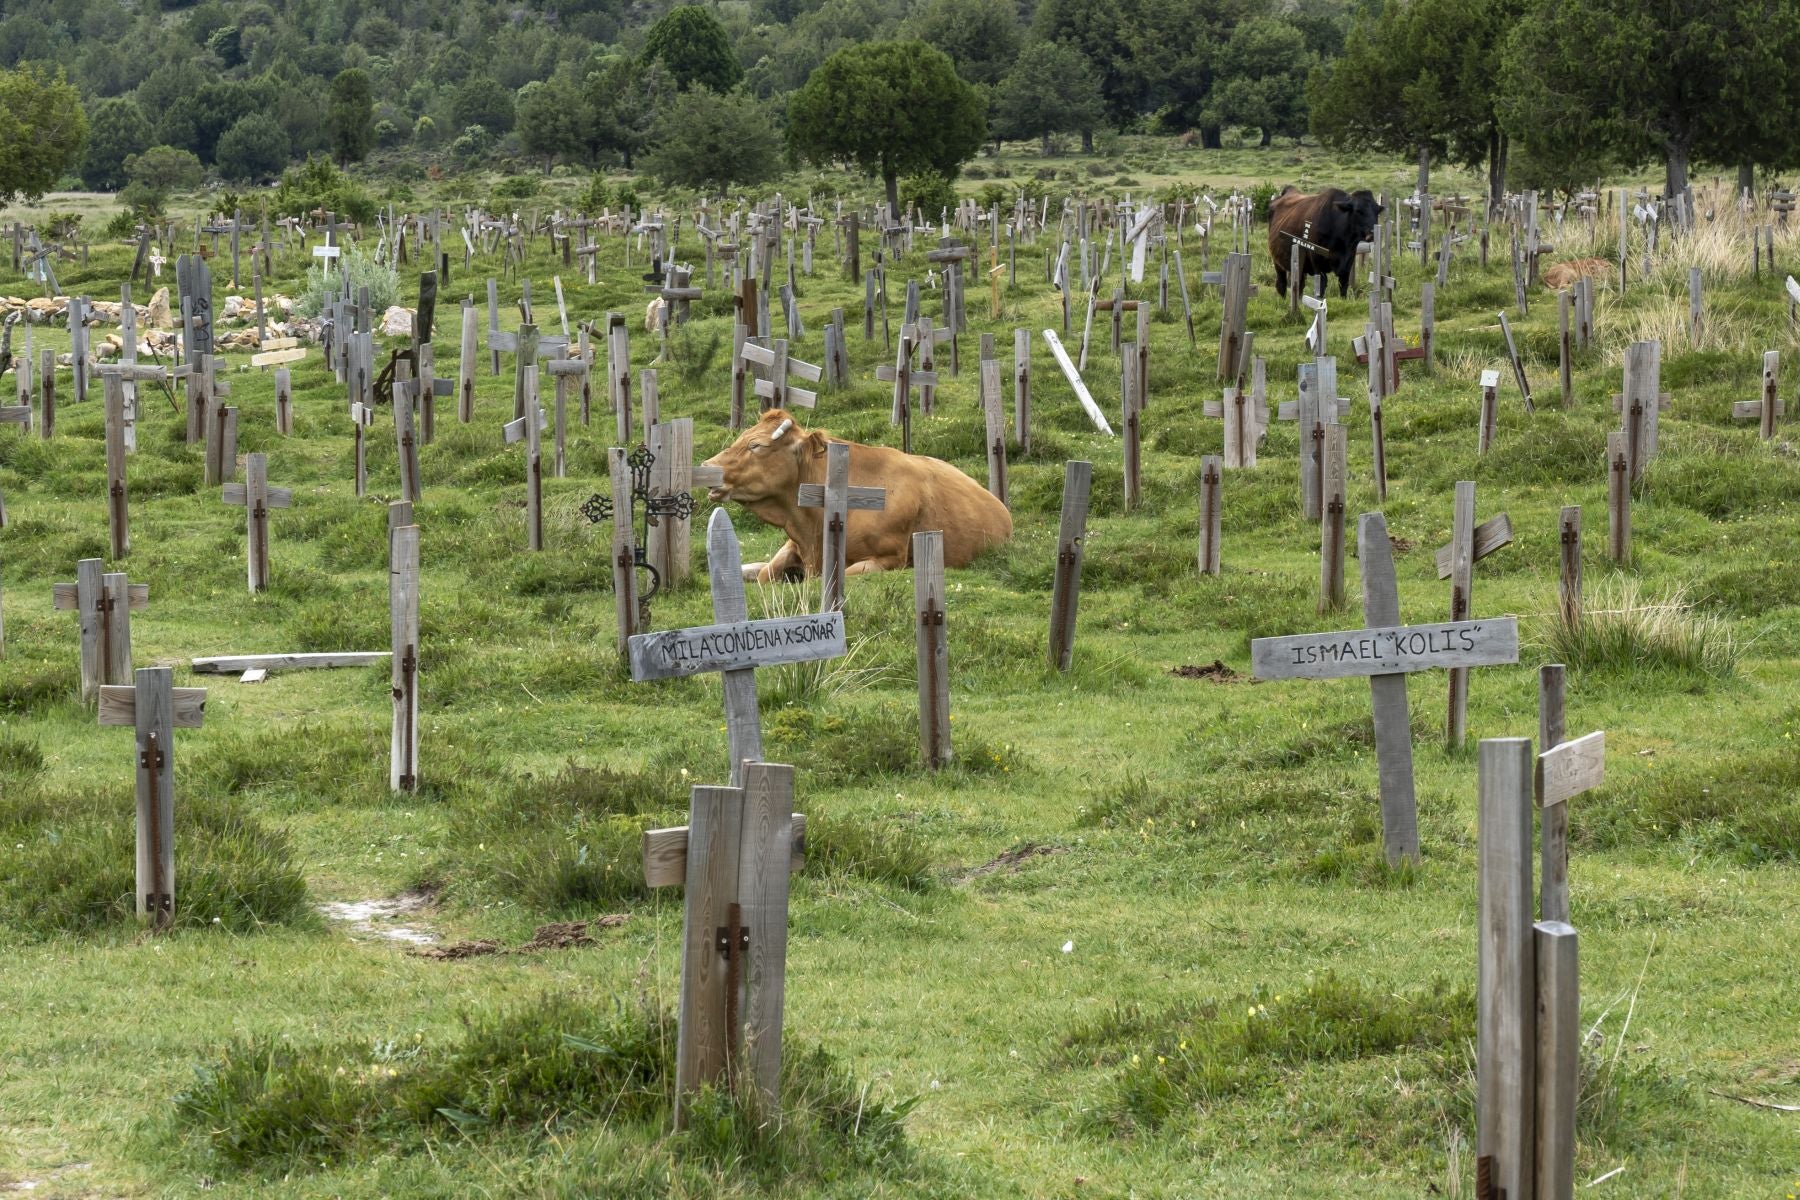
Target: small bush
x=1622, y=632
x=363, y=270
x=517, y=187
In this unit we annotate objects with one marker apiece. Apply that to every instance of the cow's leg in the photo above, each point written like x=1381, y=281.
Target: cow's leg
x=1281, y=281
x=786, y=566
x=1343, y=283
x=879, y=562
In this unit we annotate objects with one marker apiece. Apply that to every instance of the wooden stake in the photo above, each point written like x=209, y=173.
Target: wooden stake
x=1558, y=1057
x=117, y=511
x=1071, y=543
x=1022, y=390
x=933, y=651
x=284, y=402
x=1210, y=515
x=1553, y=896
x=1490, y=411
x=624, y=553
x=257, y=498
x=1618, y=498
x=1506, y=990
x=1393, y=721
x=403, y=616
x=1335, y=451
x=1565, y=348
x=1569, y=577
x=1462, y=581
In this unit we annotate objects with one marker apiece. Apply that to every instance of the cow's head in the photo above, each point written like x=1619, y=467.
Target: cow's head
x=765, y=462
x=1362, y=211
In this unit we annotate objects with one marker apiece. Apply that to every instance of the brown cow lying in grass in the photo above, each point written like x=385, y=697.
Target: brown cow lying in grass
x=1560, y=275
x=763, y=471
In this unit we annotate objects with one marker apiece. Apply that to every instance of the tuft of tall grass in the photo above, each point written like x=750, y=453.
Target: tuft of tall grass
x=808, y=682
x=1622, y=631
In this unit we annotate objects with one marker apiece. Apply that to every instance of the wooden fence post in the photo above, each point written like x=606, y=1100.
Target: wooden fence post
x=1490, y=411
x=1565, y=349
x=1022, y=390
x=1506, y=990
x=1071, y=543
x=1210, y=517
x=465, y=365
x=994, y=416
x=1558, y=986
x=403, y=617
x=933, y=650
x=1553, y=904
x=1618, y=498
x=117, y=511
x=1132, y=445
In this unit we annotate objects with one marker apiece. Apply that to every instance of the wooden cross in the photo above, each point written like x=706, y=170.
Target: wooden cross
x=905, y=378
x=529, y=431
x=102, y=603
x=736, y=645
x=1469, y=544
x=775, y=389
x=1387, y=652
x=256, y=497
x=156, y=709
x=567, y=372
x=113, y=379
x=837, y=498
x=1564, y=771
x=1766, y=410
x=403, y=619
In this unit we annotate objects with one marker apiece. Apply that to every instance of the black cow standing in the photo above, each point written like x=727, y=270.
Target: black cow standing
x=1328, y=226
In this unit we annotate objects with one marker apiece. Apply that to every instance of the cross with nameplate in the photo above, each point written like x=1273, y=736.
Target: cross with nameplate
x=1386, y=652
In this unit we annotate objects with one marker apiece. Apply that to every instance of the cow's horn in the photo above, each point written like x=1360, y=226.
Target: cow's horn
x=781, y=429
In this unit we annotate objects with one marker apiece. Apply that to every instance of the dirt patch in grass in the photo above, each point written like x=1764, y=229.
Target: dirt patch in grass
x=1010, y=861
x=558, y=935
x=1216, y=671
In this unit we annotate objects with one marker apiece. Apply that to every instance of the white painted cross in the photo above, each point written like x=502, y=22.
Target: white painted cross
x=1387, y=652
x=324, y=253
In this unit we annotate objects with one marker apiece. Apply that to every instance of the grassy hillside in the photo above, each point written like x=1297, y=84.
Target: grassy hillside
x=1138, y=941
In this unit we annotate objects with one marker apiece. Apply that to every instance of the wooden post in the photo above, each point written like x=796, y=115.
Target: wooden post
x=406, y=438
x=1071, y=543
x=1618, y=498
x=1553, y=880
x=221, y=446
x=529, y=429
x=1512, y=354
x=403, y=616
x=1387, y=695
x=284, y=402
x=1462, y=581
x=1132, y=446
x=465, y=365
x=1022, y=390
x=361, y=418
x=257, y=498
x=1558, y=987
x=1490, y=411
x=624, y=553
x=1506, y=990
x=1335, y=451
x=1210, y=516
x=743, y=726
x=1771, y=397
x=156, y=709
x=933, y=651
x=1565, y=349
x=618, y=366
x=670, y=540
x=1696, y=319
x=102, y=605
x=47, y=388
x=1569, y=576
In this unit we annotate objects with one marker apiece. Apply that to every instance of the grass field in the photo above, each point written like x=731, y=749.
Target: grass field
x=1139, y=941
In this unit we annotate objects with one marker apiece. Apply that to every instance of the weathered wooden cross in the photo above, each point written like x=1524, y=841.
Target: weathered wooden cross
x=1765, y=410
x=102, y=602
x=256, y=498
x=1387, y=652
x=1469, y=544
x=775, y=388
x=837, y=498
x=156, y=709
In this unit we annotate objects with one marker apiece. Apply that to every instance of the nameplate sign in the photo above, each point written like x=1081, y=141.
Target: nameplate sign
x=672, y=653
x=1393, y=650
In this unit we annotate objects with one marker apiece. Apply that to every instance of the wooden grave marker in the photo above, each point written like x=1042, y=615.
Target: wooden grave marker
x=1518, y=366
x=403, y=625
x=1386, y=651
x=1469, y=544
x=1071, y=547
x=567, y=372
x=102, y=603
x=837, y=498
x=1074, y=377
x=669, y=538
x=932, y=647
x=774, y=388
x=1489, y=421
x=1565, y=769
x=1022, y=390
x=256, y=497
x=1333, y=486
x=118, y=513
x=1211, y=480
x=994, y=417
x=735, y=646
x=530, y=430
x=155, y=709
x=1765, y=410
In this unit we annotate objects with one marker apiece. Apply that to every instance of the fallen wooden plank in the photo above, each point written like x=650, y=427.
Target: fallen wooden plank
x=274, y=358
x=1074, y=378
x=233, y=664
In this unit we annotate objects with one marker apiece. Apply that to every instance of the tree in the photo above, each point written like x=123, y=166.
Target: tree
x=695, y=48
x=1261, y=79
x=165, y=169
x=1420, y=77
x=707, y=141
x=980, y=36
x=549, y=120
x=481, y=100
x=621, y=98
x=1680, y=81
x=116, y=130
x=254, y=148
x=350, y=116
x=892, y=108
x=1051, y=89
x=42, y=129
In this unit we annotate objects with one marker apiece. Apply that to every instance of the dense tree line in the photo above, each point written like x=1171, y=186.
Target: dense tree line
x=1545, y=92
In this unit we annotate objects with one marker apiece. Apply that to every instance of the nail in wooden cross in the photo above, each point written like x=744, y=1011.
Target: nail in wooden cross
x=1387, y=652
x=156, y=709
x=102, y=602
x=837, y=498
x=256, y=497
x=1766, y=410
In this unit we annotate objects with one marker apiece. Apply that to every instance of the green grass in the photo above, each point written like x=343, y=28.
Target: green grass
x=1198, y=845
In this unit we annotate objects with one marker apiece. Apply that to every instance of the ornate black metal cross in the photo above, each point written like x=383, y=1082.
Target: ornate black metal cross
x=643, y=508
